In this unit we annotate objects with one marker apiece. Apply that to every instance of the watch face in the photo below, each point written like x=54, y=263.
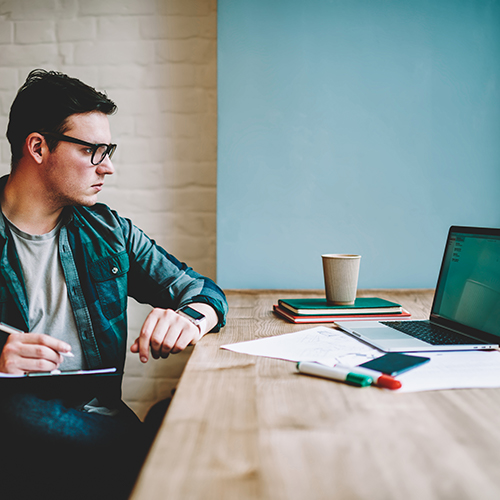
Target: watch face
x=192, y=313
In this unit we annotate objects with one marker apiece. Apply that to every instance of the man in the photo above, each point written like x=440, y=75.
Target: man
x=67, y=265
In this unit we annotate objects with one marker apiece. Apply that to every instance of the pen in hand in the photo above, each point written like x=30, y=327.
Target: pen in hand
x=11, y=330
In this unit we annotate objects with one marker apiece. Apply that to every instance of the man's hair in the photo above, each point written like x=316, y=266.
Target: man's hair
x=44, y=103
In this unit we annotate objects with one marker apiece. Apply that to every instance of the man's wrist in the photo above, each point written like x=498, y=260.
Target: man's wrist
x=197, y=318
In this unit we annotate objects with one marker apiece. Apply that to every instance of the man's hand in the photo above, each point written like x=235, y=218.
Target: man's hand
x=166, y=332
x=32, y=352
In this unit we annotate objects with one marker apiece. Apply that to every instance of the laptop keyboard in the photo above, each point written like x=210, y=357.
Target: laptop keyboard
x=430, y=333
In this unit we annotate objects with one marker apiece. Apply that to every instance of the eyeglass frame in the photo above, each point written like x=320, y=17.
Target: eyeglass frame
x=110, y=148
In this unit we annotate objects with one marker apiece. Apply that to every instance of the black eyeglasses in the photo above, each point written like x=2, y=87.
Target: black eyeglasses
x=99, y=151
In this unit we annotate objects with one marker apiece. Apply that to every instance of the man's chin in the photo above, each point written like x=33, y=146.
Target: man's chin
x=88, y=201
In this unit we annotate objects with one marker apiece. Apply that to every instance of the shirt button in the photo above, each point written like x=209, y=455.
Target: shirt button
x=114, y=270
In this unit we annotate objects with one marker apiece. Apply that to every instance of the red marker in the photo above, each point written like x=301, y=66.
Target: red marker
x=379, y=379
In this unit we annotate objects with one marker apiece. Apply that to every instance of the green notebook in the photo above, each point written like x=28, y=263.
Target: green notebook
x=318, y=307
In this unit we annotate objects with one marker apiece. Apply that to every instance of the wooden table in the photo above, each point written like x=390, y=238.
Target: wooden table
x=246, y=427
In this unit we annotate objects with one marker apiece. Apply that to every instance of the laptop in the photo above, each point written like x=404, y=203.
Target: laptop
x=465, y=312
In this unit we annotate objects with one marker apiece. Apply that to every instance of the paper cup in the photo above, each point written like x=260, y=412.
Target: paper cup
x=341, y=278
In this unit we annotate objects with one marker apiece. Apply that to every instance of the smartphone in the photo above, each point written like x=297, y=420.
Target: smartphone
x=395, y=363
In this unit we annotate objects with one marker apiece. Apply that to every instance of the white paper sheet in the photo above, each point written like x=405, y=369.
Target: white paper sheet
x=446, y=370
x=322, y=344
x=453, y=370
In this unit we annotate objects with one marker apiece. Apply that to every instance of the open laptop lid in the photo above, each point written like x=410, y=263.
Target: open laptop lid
x=467, y=296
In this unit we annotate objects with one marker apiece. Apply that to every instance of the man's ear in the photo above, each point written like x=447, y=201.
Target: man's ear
x=36, y=147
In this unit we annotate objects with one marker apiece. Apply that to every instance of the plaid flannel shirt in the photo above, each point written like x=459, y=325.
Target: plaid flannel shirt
x=105, y=259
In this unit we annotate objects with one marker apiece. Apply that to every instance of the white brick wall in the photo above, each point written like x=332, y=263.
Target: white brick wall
x=157, y=60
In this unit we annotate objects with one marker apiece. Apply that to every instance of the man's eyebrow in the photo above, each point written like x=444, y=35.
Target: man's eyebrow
x=95, y=142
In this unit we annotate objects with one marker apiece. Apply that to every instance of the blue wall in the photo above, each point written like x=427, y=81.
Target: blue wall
x=353, y=126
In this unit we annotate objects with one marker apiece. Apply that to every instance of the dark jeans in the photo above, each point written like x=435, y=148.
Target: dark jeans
x=50, y=449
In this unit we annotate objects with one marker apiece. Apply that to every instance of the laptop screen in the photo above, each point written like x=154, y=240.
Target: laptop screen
x=468, y=290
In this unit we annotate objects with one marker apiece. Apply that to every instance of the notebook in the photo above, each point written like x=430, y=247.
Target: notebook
x=465, y=312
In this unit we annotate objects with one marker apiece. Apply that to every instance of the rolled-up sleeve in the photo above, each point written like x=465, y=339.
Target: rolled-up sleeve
x=159, y=279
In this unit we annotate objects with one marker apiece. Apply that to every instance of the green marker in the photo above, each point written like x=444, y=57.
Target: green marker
x=340, y=374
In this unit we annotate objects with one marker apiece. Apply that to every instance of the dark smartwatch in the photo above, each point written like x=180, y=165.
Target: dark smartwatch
x=192, y=315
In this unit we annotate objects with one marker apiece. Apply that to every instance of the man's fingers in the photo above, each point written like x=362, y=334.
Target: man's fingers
x=37, y=365
x=28, y=352
x=144, y=346
x=179, y=333
x=170, y=339
x=44, y=340
x=164, y=332
x=187, y=337
x=147, y=330
x=41, y=353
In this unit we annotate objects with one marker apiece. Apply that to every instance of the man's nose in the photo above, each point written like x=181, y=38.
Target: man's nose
x=106, y=167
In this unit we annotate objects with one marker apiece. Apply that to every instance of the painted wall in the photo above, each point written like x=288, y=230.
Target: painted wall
x=354, y=126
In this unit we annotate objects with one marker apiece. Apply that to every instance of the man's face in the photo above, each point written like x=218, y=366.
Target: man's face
x=70, y=177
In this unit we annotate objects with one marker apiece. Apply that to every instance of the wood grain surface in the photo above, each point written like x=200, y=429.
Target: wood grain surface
x=246, y=427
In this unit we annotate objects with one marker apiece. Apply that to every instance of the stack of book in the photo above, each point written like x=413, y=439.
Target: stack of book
x=319, y=311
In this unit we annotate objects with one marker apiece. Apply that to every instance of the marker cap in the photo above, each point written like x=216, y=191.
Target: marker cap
x=388, y=382
x=359, y=380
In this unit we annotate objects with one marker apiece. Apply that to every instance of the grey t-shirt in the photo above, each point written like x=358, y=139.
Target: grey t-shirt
x=49, y=306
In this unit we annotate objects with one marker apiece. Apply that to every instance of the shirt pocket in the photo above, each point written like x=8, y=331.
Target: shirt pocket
x=109, y=275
